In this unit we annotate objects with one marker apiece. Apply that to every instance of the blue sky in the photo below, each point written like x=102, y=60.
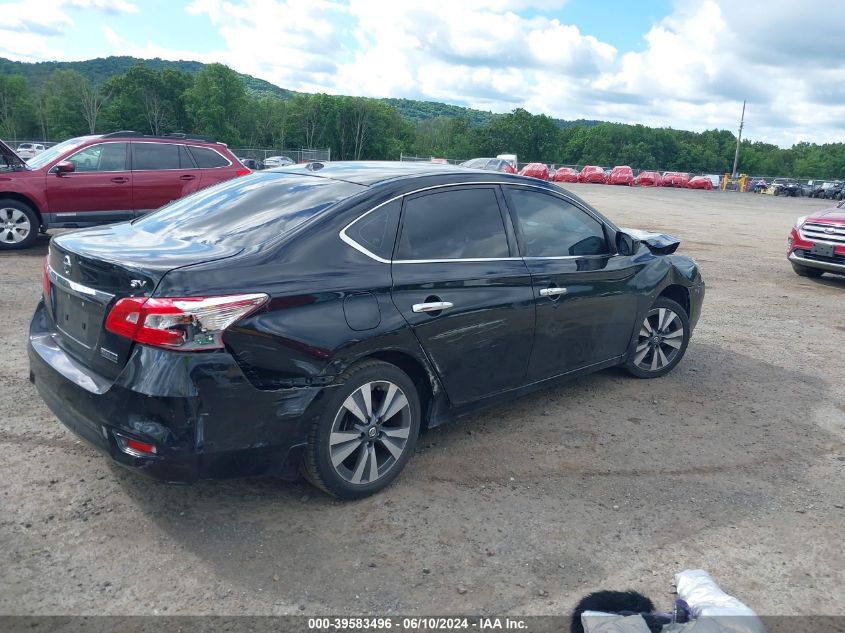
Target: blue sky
x=685, y=63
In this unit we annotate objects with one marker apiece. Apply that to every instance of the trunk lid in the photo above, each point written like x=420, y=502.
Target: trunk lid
x=91, y=270
x=9, y=160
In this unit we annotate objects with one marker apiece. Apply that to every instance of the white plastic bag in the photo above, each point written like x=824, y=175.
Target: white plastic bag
x=713, y=609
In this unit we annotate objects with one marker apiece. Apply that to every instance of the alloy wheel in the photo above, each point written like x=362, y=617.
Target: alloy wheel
x=660, y=339
x=370, y=432
x=14, y=225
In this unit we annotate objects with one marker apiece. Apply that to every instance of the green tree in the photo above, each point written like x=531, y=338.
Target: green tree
x=146, y=100
x=215, y=102
x=16, y=116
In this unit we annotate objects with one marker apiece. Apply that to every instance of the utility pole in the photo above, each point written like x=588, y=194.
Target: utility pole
x=738, y=139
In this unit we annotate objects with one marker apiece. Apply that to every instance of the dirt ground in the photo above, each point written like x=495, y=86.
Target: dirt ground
x=732, y=463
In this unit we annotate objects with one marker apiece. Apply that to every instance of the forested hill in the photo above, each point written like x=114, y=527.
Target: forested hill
x=103, y=68
x=57, y=100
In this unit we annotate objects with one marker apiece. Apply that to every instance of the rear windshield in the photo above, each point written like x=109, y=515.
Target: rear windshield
x=248, y=210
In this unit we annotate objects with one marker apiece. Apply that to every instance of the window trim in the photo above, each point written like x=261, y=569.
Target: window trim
x=611, y=251
x=504, y=218
x=194, y=158
x=55, y=169
x=505, y=186
x=132, y=153
x=348, y=240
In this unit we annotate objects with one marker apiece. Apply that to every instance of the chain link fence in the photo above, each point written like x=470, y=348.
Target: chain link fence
x=301, y=155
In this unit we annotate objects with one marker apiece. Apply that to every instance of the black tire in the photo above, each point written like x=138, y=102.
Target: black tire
x=19, y=225
x=648, y=356
x=806, y=271
x=336, y=420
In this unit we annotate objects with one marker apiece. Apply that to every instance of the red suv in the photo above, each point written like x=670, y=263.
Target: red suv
x=105, y=178
x=817, y=243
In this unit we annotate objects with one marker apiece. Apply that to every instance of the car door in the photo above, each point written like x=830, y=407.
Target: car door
x=98, y=190
x=161, y=172
x=586, y=304
x=459, y=283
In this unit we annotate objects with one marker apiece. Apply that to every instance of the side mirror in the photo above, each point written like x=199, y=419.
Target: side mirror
x=626, y=244
x=65, y=167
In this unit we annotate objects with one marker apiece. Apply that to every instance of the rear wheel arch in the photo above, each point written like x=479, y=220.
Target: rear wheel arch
x=416, y=371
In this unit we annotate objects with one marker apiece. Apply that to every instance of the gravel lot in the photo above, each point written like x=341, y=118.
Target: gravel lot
x=732, y=463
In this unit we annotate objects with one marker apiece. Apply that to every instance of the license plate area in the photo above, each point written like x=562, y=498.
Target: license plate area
x=821, y=249
x=78, y=319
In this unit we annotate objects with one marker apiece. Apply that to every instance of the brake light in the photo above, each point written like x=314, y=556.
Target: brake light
x=45, y=276
x=185, y=323
x=141, y=447
x=243, y=172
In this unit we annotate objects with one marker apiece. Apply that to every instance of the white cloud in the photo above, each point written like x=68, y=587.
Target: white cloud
x=104, y=6
x=693, y=70
x=28, y=26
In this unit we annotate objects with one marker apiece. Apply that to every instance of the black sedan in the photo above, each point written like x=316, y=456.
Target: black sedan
x=316, y=318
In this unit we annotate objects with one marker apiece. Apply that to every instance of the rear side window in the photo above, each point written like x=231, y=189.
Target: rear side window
x=153, y=156
x=453, y=224
x=376, y=231
x=247, y=211
x=207, y=158
x=552, y=227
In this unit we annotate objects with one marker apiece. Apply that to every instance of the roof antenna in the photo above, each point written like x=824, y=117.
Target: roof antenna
x=314, y=166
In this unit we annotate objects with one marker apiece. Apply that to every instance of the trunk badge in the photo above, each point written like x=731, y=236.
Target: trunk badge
x=67, y=265
x=108, y=354
x=137, y=283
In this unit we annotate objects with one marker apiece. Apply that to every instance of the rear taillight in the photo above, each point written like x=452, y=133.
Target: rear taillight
x=243, y=172
x=45, y=277
x=185, y=323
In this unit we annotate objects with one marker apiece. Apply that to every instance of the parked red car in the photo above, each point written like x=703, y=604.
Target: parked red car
x=621, y=175
x=675, y=179
x=700, y=182
x=817, y=243
x=535, y=170
x=103, y=178
x=592, y=173
x=649, y=179
x=565, y=174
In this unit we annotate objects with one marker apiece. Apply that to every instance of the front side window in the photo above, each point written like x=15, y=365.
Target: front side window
x=552, y=227
x=54, y=152
x=100, y=157
x=154, y=156
x=453, y=224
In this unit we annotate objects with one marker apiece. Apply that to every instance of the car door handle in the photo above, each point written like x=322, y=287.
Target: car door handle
x=552, y=292
x=120, y=180
x=187, y=177
x=432, y=306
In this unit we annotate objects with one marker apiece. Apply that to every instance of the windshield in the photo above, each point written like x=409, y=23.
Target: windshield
x=248, y=210
x=49, y=155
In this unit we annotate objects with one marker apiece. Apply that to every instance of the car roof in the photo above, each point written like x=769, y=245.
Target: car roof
x=373, y=172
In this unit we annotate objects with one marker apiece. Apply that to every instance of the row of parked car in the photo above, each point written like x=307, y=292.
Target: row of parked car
x=789, y=187
x=619, y=175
